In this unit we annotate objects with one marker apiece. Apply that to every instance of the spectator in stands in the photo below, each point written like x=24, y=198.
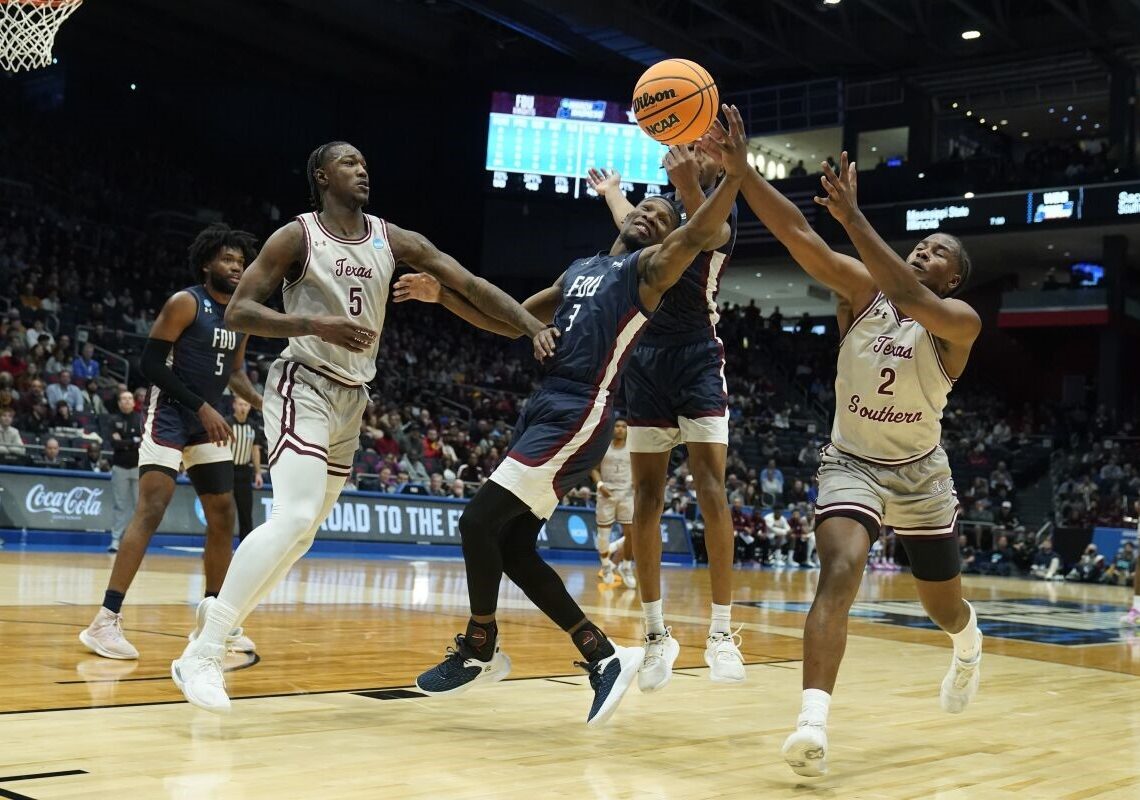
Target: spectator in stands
x=778, y=531
x=802, y=539
x=797, y=494
x=62, y=417
x=772, y=482
x=966, y=554
x=65, y=391
x=51, y=458
x=140, y=400
x=386, y=482
x=1090, y=569
x=413, y=464
x=458, y=489
x=36, y=332
x=432, y=450
x=435, y=485
x=770, y=449
x=1111, y=471
x=36, y=421
x=472, y=471
x=744, y=531
x=1001, y=477
x=798, y=171
x=809, y=455
x=56, y=360
x=11, y=445
x=86, y=366
x=999, y=560
x=776, y=320
x=1002, y=434
x=92, y=399
x=12, y=359
x=1046, y=562
x=92, y=460
x=1122, y=570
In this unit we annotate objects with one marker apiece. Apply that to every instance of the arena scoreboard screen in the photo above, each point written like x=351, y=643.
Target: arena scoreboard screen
x=545, y=144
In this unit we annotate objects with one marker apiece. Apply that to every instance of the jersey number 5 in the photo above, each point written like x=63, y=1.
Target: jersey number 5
x=885, y=387
x=355, y=302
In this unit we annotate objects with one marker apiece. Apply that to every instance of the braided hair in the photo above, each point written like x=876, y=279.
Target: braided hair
x=317, y=161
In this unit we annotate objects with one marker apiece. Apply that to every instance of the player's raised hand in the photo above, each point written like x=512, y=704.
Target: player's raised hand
x=216, y=428
x=416, y=286
x=603, y=180
x=728, y=145
x=842, y=196
x=681, y=166
x=545, y=341
x=343, y=332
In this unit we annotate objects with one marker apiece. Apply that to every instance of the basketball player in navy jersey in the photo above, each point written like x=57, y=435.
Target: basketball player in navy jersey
x=905, y=341
x=190, y=358
x=334, y=266
x=599, y=306
x=676, y=393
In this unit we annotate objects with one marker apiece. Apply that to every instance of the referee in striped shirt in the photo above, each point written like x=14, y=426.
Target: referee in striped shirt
x=248, y=444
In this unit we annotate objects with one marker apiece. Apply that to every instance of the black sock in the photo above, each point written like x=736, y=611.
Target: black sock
x=113, y=601
x=481, y=637
x=211, y=594
x=592, y=643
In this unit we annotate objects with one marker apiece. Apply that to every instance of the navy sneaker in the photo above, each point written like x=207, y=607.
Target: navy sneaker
x=610, y=678
x=462, y=668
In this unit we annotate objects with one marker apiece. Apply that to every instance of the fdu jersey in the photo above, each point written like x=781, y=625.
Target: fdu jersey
x=600, y=319
x=203, y=355
x=688, y=311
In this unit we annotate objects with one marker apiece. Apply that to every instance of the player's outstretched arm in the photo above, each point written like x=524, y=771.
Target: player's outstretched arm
x=415, y=250
x=176, y=316
x=948, y=319
x=662, y=265
x=247, y=312
x=607, y=183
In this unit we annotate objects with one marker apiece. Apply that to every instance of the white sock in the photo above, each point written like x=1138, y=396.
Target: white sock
x=721, y=619
x=607, y=562
x=654, y=617
x=814, y=707
x=966, y=640
x=1136, y=601
x=220, y=620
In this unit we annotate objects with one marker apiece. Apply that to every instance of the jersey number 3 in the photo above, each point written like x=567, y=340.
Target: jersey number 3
x=885, y=387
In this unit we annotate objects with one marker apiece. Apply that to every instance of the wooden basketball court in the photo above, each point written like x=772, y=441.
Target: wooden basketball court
x=330, y=710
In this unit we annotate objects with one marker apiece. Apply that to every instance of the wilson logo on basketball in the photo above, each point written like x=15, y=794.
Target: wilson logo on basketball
x=647, y=100
x=661, y=125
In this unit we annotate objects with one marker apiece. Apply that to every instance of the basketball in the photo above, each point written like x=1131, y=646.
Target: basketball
x=675, y=101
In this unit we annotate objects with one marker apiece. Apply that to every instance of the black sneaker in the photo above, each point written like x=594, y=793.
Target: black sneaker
x=461, y=668
x=610, y=678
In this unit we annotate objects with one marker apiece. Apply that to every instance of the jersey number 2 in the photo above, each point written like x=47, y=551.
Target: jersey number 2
x=355, y=303
x=885, y=387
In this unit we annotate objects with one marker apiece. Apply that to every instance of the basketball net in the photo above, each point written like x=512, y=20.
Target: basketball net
x=27, y=31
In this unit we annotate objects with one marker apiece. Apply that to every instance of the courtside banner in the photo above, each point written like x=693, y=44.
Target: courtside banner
x=65, y=500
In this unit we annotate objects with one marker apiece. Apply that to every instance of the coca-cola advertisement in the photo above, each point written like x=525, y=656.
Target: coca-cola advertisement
x=75, y=503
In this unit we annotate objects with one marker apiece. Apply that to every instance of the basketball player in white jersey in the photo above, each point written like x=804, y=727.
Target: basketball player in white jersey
x=614, y=481
x=336, y=265
x=905, y=342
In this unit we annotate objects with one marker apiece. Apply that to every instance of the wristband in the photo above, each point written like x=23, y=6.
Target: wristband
x=601, y=484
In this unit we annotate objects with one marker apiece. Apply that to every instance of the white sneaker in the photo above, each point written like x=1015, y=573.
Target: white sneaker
x=199, y=675
x=607, y=574
x=628, y=576
x=104, y=637
x=610, y=679
x=661, y=651
x=722, y=654
x=806, y=750
x=961, y=682
x=236, y=641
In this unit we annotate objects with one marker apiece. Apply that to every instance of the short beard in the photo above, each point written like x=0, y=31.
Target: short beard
x=631, y=241
x=220, y=285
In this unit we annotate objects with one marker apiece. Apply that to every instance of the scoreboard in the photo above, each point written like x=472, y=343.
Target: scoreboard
x=542, y=143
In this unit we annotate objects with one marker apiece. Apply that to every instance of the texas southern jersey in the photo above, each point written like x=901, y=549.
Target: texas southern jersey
x=203, y=355
x=342, y=278
x=600, y=319
x=890, y=387
x=688, y=310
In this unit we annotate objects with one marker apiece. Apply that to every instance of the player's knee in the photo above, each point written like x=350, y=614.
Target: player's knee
x=295, y=516
x=648, y=497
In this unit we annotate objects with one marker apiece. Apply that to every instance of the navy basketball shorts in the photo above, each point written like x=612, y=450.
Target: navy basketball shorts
x=173, y=436
x=676, y=394
x=562, y=434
